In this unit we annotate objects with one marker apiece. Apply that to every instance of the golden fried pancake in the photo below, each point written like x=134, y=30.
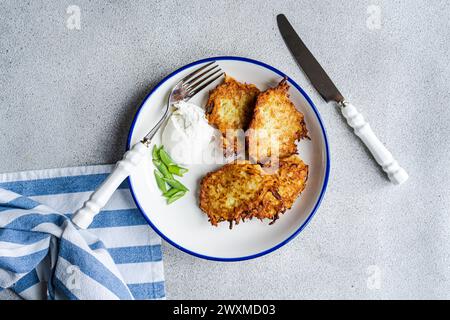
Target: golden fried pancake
x=242, y=190
x=234, y=192
x=276, y=125
x=291, y=175
x=230, y=107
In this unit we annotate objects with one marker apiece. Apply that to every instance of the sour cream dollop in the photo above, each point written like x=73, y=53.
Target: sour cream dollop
x=187, y=133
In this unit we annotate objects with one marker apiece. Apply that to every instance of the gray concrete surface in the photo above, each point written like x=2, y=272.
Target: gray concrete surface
x=67, y=98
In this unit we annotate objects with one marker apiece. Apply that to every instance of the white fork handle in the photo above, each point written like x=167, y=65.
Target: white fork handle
x=84, y=216
x=384, y=158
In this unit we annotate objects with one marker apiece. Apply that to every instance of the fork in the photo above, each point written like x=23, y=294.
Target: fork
x=184, y=90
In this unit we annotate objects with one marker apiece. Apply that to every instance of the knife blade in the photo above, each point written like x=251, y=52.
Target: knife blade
x=326, y=88
x=307, y=62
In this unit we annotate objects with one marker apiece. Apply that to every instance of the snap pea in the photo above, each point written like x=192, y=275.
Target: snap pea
x=162, y=168
x=155, y=152
x=170, y=192
x=176, y=196
x=175, y=169
x=159, y=181
x=165, y=158
x=165, y=168
x=176, y=184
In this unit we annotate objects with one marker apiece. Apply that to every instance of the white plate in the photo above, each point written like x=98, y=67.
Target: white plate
x=182, y=223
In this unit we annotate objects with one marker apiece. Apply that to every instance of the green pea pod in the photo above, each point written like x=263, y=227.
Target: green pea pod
x=159, y=181
x=155, y=152
x=176, y=184
x=170, y=192
x=163, y=169
x=165, y=158
x=176, y=196
x=179, y=171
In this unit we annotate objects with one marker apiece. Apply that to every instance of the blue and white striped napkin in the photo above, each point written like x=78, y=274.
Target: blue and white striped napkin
x=44, y=256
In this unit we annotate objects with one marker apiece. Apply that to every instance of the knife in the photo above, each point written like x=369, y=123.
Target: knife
x=326, y=88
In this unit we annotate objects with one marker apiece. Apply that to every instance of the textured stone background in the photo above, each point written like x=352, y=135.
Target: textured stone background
x=67, y=98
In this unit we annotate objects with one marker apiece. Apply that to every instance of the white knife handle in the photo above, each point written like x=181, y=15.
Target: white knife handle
x=84, y=216
x=384, y=158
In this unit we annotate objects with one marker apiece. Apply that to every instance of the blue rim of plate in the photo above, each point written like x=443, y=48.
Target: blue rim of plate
x=327, y=169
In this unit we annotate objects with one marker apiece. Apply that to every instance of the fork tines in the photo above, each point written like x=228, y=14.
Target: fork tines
x=200, y=78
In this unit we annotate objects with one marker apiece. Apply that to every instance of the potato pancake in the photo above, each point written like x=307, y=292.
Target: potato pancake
x=234, y=192
x=242, y=190
x=291, y=175
x=230, y=108
x=276, y=125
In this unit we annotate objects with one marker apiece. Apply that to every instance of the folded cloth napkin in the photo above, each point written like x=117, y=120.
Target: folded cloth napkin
x=44, y=256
